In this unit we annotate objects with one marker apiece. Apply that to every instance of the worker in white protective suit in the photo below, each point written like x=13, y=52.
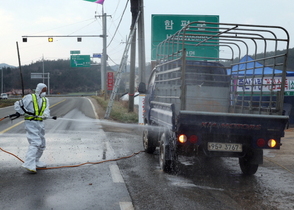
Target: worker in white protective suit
x=35, y=108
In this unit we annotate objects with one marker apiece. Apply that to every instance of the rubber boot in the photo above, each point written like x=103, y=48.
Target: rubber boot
x=40, y=164
x=30, y=161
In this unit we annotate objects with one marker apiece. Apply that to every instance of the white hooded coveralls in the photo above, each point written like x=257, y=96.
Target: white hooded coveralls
x=35, y=129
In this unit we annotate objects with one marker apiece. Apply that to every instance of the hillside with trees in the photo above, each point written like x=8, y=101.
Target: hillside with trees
x=290, y=61
x=65, y=79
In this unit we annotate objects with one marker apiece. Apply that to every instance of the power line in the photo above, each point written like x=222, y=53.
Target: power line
x=114, y=17
x=118, y=23
x=112, y=60
x=84, y=26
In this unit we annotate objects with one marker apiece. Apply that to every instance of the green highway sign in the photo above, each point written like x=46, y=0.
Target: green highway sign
x=75, y=52
x=165, y=25
x=80, y=61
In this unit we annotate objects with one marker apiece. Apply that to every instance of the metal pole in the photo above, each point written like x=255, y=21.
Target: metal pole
x=43, y=68
x=2, y=80
x=135, y=13
x=104, y=53
x=104, y=58
x=76, y=36
x=132, y=73
x=141, y=43
x=48, y=83
x=21, y=78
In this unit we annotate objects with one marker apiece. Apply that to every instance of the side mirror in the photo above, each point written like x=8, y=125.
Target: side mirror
x=142, y=87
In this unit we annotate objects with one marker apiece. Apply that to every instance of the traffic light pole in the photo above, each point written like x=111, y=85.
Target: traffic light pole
x=79, y=38
x=21, y=78
x=63, y=36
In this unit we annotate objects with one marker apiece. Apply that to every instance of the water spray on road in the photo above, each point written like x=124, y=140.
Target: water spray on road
x=111, y=123
x=100, y=124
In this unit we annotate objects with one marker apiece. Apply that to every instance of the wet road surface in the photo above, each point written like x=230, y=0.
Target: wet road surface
x=203, y=183
x=72, y=139
x=136, y=182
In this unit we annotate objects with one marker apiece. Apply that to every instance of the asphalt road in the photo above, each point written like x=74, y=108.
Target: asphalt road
x=136, y=182
x=74, y=138
x=201, y=183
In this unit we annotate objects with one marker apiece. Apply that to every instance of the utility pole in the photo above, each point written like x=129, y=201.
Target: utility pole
x=104, y=58
x=141, y=43
x=132, y=73
x=104, y=53
x=135, y=12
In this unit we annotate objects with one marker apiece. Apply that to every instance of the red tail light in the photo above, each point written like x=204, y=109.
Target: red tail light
x=260, y=142
x=193, y=139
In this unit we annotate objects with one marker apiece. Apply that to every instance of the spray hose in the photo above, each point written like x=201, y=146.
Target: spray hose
x=72, y=166
x=12, y=116
x=16, y=115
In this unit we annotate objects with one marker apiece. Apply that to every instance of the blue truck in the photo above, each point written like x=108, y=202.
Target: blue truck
x=217, y=106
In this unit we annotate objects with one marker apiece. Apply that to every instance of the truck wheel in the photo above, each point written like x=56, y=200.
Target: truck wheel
x=148, y=141
x=166, y=160
x=247, y=167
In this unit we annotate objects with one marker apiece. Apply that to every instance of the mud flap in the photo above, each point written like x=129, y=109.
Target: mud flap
x=167, y=157
x=256, y=156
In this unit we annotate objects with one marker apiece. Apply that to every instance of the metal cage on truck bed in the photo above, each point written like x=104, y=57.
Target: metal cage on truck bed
x=221, y=67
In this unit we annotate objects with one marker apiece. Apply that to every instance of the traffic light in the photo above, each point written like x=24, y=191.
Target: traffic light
x=79, y=39
x=50, y=39
x=24, y=39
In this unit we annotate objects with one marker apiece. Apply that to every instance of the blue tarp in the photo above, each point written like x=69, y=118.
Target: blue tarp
x=253, y=67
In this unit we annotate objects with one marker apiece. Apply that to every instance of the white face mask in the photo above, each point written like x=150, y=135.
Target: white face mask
x=43, y=94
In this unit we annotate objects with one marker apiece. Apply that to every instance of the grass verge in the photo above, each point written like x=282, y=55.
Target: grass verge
x=7, y=102
x=119, y=111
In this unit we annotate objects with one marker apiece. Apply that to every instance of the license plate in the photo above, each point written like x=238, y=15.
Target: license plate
x=224, y=147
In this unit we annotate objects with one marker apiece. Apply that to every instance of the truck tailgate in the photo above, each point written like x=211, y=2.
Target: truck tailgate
x=234, y=123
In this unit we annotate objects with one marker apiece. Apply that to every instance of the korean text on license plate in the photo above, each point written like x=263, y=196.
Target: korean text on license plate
x=224, y=147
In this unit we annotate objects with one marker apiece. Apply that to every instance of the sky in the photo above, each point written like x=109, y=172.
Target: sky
x=78, y=17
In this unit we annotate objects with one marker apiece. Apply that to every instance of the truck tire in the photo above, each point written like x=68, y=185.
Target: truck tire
x=167, y=160
x=149, y=140
x=247, y=167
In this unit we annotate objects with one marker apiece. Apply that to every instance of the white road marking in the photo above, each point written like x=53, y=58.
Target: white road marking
x=115, y=174
x=126, y=206
x=114, y=170
x=93, y=107
x=7, y=129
